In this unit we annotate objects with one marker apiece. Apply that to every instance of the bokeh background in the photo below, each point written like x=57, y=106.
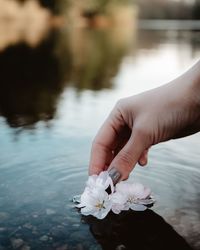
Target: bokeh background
x=63, y=66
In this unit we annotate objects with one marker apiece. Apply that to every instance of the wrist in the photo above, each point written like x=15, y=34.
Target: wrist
x=195, y=84
x=189, y=87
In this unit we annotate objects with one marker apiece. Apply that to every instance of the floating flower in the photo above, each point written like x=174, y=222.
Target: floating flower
x=101, y=181
x=118, y=202
x=136, y=196
x=95, y=202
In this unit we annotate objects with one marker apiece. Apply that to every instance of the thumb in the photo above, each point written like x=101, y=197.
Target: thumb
x=126, y=159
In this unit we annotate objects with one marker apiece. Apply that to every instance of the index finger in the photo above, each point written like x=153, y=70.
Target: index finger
x=104, y=144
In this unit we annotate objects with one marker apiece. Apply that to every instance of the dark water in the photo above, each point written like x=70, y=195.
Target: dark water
x=53, y=98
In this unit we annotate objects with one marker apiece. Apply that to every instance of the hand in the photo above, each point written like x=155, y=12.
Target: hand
x=138, y=122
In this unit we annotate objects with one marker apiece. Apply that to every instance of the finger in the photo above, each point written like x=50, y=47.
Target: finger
x=144, y=158
x=100, y=159
x=104, y=144
x=129, y=155
x=122, y=139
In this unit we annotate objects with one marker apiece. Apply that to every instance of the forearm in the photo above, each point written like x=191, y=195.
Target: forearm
x=195, y=75
x=191, y=79
x=167, y=112
x=188, y=87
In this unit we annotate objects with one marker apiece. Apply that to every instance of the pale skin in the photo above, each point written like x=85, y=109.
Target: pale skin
x=138, y=122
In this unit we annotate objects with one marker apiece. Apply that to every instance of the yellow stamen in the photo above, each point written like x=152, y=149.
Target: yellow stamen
x=100, y=205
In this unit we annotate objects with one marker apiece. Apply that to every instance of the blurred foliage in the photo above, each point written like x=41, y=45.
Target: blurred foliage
x=153, y=9
x=156, y=9
x=165, y=9
x=196, y=10
x=95, y=56
x=97, y=6
x=100, y=6
x=32, y=79
x=27, y=22
x=38, y=61
x=30, y=83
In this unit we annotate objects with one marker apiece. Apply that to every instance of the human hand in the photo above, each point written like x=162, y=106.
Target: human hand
x=138, y=122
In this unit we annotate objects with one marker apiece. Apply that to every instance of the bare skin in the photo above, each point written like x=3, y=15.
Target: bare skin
x=138, y=122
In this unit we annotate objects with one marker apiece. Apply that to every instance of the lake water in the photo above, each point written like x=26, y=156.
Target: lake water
x=53, y=99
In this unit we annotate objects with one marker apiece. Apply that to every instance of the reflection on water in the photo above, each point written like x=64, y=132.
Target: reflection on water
x=95, y=56
x=135, y=230
x=28, y=22
x=30, y=84
x=33, y=79
x=62, y=90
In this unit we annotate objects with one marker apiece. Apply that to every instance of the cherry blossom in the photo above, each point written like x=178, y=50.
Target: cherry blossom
x=133, y=196
x=101, y=181
x=96, y=201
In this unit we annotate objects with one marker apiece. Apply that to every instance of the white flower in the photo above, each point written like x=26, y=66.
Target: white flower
x=101, y=181
x=118, y=202
x=95, y=202
x=136, y=196
x=137, y=190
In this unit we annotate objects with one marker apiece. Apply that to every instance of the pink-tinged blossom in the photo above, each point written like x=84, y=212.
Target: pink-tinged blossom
x=136, y=195
x=101, y=181
x=97, y=202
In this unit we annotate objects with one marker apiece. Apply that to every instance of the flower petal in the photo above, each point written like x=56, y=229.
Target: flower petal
x=102, y=213
x=97, y=202
x=76, y=199
x=138, y=207
x=104, y=180
x=91, y=182
x=87, y=211
x=79, y=205
x=146, y=201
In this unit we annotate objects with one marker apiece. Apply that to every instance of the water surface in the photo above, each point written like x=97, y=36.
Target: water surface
x=53, y=99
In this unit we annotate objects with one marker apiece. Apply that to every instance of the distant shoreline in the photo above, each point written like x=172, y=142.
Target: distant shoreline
x=164, y=24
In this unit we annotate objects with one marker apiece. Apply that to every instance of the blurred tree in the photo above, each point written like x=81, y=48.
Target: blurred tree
x=196, y=10
x=32, y=79
x=53, y=5
x=165, y=9
x=99, y=6
x=30, y=83
x=36, y=66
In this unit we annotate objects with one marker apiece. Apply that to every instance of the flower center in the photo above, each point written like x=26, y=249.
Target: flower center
x=100, y=205
x=131, y=199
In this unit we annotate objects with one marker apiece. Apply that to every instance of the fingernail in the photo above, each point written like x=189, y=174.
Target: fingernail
x=114, y=174
x=142, y=163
